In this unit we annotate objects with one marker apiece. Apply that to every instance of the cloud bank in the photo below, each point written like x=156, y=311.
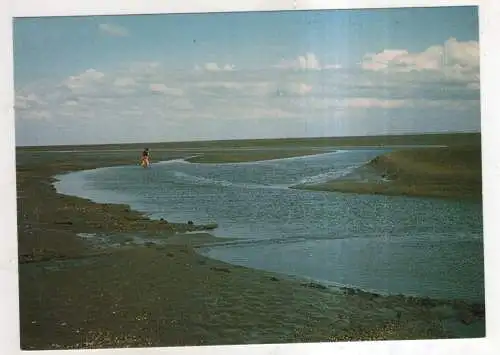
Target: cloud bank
x=309, y=61
x=453, y=60
x=436, y=89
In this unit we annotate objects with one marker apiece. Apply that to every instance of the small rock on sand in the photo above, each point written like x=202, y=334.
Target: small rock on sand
x=220, y=269
x=315, y=285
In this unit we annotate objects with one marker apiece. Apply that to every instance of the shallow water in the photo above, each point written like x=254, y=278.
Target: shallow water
x=417, y=246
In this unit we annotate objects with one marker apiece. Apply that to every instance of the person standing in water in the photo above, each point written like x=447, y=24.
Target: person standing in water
x=145, y=158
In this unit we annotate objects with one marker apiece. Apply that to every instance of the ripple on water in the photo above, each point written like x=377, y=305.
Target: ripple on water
x=398, y=244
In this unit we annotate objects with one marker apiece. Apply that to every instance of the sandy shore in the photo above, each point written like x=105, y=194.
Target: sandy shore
x=449, y=172
x=74, y=295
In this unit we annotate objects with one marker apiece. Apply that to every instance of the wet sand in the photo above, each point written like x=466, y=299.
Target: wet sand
x=448, y=172
x=74, y=295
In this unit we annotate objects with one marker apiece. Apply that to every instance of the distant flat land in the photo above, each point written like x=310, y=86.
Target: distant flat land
x=452, y=169
x=262, y=149
x=451, y=139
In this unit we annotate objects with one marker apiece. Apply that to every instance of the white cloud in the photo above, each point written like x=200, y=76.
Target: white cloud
x=113, y=30
x=453, y=60
x=124, y=82
x=333, y=66
x=70, y=103
x=270, y=112
x=379, y=61
x=474, y=86
x=212, y=66
x=28, y=101
x=163, y=89
x=253, y=87
x=305, y=62
x=294, y=89
x=309, y=61
x=465, y=54
x=368, y=102
x=220, y=84
x=84, y=79
x=353, y=104
x=139, y=68
x=229, y=88
x=102, y=100
x=195, y=100
x=344, y=103
x=36, y=115
x=180, y=104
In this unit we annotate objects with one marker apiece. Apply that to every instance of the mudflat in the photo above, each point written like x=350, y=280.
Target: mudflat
x=74, y=294
x=451, y=172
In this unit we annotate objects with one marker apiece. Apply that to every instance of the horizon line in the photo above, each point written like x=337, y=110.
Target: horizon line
x=248, y=139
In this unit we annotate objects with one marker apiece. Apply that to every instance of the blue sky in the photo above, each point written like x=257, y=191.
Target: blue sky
x=177, y=77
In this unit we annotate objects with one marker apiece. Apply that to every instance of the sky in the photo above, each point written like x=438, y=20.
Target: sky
x=183, y=77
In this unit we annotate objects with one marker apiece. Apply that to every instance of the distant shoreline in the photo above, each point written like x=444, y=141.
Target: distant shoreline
x=435, y=172
x=400, y=139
